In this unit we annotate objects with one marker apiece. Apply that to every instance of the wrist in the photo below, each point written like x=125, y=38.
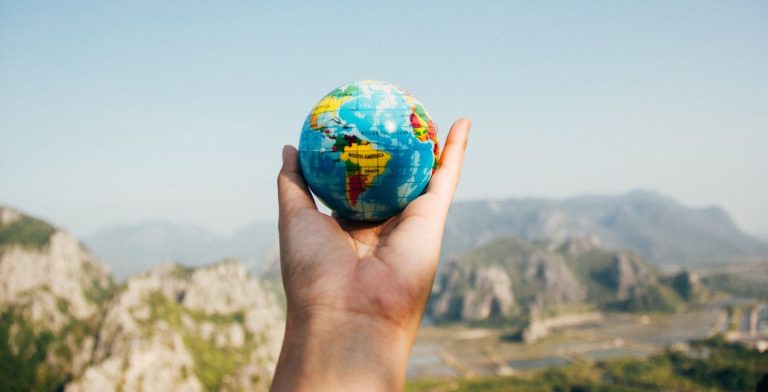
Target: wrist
x=341, y=350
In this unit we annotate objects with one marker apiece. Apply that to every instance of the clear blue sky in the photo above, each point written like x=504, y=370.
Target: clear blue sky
x=122, y=112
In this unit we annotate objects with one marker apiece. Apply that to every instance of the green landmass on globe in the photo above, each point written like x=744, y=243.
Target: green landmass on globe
x=367, y=149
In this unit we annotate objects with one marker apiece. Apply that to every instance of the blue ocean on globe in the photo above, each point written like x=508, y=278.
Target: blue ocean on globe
x=367, y=149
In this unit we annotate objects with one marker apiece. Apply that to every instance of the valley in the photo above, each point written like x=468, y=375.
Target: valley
x=457, y=351
x=524, y=296
x=447, y=356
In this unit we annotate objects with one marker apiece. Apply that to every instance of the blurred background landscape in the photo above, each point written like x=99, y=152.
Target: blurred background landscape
x=610, y=230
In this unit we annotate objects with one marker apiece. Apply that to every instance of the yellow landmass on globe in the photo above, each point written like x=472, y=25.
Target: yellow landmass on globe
x=330, y=103
x=364, y=163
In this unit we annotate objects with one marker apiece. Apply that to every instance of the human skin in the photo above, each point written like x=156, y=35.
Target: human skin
x=356, y=291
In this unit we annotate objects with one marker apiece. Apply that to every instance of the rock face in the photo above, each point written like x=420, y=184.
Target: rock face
x=575, y=244
x=65, y=325
x=515, y=280
x=689, y=286
x=626, y=275
x=557, y=281
x=51, y=296
x=488, y=294
x=60, y=275
x=535, y=328
x=172, y=328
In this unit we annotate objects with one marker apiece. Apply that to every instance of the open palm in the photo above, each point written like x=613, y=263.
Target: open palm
x=356, y=291
x=383, y=270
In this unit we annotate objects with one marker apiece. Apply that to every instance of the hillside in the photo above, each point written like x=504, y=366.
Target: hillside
x=52, y=292
x=174, y=328
x=656, y=227
x=511, y=279
x=65, y=324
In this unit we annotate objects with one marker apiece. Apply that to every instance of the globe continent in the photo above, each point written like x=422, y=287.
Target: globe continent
x=367, y=149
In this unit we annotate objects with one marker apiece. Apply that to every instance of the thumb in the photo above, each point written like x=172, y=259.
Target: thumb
x=292, y=191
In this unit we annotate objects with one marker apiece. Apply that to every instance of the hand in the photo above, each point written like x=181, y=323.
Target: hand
x=356, y=291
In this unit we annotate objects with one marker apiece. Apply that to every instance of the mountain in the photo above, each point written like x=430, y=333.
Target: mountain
x=656, y=227
x=52, y=292
x=65, y=324
x=175, y=328
x=511, y=279
x=131, y=249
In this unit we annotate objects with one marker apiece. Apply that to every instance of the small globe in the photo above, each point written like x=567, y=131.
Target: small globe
x=368, y=149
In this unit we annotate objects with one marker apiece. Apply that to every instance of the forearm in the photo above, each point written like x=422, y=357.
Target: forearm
x=342, y=352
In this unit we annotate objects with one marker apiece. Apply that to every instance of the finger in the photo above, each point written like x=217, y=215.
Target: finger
x=424, y=217
x=292, y=191
x=446, y=177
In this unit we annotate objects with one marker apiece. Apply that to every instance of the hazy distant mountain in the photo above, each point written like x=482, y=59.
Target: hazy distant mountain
x=656, y=227
x=130, y=249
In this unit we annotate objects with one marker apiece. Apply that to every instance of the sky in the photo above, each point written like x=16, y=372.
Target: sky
x=126, y=112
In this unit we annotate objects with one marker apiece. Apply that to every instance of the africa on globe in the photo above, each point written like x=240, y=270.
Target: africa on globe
x=367, y=149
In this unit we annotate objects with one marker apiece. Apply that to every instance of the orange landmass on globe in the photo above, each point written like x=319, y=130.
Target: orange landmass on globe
x=425, y=129
x=364, y=164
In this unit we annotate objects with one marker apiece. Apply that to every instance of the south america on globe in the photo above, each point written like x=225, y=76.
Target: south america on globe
x=367, y=149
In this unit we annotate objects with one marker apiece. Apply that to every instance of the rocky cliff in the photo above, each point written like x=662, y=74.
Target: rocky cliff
x=52, y=293
x=510, y=278
x=173, y=328
x=65, y=325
